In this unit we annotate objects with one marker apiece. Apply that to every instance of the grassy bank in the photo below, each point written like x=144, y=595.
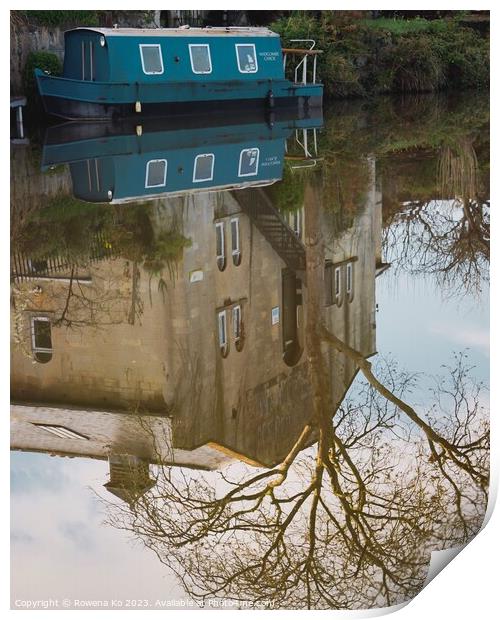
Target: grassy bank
x=365, y=57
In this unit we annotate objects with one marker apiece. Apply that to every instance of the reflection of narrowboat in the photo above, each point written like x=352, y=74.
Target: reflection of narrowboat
x=112, y=72
x=121, y=162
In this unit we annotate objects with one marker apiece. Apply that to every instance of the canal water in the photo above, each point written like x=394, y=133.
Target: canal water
x=250, y=356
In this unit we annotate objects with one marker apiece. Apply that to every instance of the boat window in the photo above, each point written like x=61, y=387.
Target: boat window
x=247, y=58
x=235, y=241
x=203, y=167
x=201, y=61
x=41, y=339
x=221, y=246
x=223, y=333
x=249, y=162
x=156, y=173
x=152, y=61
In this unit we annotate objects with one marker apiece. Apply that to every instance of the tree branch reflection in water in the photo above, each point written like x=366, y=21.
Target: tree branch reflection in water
x=348, y=523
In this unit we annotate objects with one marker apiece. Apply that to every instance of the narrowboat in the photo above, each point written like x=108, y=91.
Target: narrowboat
x=113, y=72
x=123, y=162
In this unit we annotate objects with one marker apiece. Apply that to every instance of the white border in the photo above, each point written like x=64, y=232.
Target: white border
x=143, y=45
x=236, y=46
x=249, y=174
x=236, y=252
x=191, y=45
x=195, y=180
x=154, y=161
x=34, y=348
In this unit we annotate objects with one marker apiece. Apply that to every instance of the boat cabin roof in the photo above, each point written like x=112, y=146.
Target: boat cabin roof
x=184, y=31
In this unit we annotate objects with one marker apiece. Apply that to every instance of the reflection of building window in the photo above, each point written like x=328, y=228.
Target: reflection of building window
x=329, y=301
x=337, y=286
x=60, y=431
x=200, y=58
x=220, y=246
x=247, y=58
x=249, y=162
x=41, y=339
x=223, y=344
x=152, y=61
x=349, y=281
x=235, y=241
x=295, y=222
x=237, y=328
x=156, y=173
x=203, y=168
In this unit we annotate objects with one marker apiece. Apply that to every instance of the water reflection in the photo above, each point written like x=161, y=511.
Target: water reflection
x=207, y=347
x=125, y=161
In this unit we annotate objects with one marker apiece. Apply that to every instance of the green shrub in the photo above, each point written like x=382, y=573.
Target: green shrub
x=414, y=65
x=364, y=57
x=416, y=25
x=39, y=60
x=288, y=194
x=62, y=18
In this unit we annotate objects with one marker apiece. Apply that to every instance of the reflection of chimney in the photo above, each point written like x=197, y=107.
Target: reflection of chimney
x=129, y=477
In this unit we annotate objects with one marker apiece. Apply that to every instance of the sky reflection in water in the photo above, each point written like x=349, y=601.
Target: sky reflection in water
x=61, y=549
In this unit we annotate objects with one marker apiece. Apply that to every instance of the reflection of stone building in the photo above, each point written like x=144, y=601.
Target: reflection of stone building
x=213, y=364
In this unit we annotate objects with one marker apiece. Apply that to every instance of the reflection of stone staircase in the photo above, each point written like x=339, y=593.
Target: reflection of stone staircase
x=271, y=224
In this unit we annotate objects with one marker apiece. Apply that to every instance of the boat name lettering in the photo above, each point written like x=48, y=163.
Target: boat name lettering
x=266, y=56
x=271, y=161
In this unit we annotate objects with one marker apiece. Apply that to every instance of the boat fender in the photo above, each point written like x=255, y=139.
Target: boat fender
x=138, y=130
x=270, y=99
x=138, y=107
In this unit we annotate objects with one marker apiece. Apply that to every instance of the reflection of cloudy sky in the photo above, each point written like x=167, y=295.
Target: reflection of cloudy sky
x=421, y=329
x=59, y=546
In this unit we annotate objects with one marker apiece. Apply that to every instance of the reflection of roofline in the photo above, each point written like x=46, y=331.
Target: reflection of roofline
x=62, y=454
x=70, y=407
x=211, y=443
x=381, y=267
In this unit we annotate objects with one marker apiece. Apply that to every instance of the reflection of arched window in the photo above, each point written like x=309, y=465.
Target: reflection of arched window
x=337, y=286
x=295, y=222
x=222, y=324
x=329, y=300
x=41, y=339
x=349, y=281
x=220, y=245
x=235, y=241
x=237, y=328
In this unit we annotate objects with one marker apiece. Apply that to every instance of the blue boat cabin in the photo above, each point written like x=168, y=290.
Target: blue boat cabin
x=117, y=72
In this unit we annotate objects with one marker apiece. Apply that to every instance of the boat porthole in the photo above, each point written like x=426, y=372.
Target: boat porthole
x=177, y=59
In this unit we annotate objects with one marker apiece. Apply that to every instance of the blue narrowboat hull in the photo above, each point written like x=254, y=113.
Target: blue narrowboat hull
x=77, y=99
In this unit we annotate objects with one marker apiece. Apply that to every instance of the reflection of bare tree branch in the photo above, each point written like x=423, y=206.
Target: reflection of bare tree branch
x=448, y=238
x=98, y=306
x=349, y=523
